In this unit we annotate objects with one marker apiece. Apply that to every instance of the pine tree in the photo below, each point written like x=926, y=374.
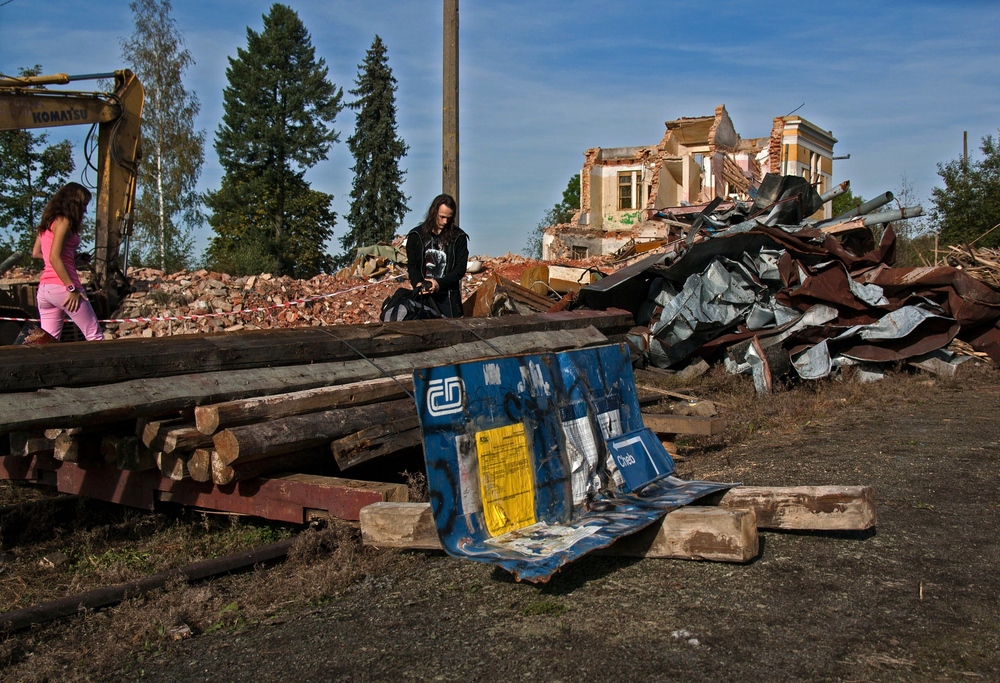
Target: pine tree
x=30, y=172
x=168, y=207
x=278, y=122
x=377, y=202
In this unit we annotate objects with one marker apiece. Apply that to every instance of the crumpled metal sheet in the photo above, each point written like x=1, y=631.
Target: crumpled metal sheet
x=518, y=464
x=752, y=278
x=904, y=333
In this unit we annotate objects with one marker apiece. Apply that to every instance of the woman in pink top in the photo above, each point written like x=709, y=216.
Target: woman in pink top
x=59, y=288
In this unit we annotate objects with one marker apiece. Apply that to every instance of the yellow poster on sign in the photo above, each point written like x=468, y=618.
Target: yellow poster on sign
x=506, y=480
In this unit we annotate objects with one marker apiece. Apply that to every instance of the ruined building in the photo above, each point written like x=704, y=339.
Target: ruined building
x=698, y=159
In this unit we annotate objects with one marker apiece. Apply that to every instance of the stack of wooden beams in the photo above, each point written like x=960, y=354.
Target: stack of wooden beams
x=721, y=528
x=225, y=408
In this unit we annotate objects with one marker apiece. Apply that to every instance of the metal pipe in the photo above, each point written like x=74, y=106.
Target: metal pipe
x=9, y=262
x=836, y=191
x=865, y=208
x=21, y=619
x=874, y=203
x=895, y=215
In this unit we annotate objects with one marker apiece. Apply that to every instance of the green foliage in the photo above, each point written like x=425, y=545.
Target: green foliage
x=968, y=206
x=843, y=203
x=570, y=201
x=279, y=110
x=31, y=170
x=377, y=202
x=167, y=208
x=562, y=212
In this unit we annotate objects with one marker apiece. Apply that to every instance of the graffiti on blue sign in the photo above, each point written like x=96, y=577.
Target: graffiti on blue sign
x=533, y=461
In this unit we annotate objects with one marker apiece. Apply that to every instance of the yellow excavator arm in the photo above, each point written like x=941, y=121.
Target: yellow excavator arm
x=27, y=103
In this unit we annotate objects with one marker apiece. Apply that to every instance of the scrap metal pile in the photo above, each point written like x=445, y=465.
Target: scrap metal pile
x=771, y=292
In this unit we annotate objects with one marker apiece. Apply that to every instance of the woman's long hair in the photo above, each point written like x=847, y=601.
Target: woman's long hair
x=430, y=220
x=70, y=201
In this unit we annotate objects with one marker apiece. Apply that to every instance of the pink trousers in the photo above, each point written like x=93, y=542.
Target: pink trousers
x=51, y=309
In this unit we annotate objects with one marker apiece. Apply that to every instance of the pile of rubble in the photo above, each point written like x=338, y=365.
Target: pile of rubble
x=204, y=301
x=770, y=291
x=759, y=285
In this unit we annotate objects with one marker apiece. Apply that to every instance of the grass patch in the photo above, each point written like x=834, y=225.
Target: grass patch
x=544, y=608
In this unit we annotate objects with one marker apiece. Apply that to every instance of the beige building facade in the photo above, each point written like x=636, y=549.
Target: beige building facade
x=696, y=160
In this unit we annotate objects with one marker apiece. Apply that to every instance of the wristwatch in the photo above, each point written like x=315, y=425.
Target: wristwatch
x=70, y=288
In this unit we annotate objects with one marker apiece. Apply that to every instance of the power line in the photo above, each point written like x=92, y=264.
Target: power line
x=6, y=2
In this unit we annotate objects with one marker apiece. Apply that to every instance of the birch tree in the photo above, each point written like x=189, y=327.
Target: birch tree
x=168, y=208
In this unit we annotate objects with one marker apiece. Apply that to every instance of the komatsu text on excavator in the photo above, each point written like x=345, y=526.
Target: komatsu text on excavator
x=117, y=115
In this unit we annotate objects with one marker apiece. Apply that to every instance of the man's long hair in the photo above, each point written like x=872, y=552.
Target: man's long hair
x=448, y=233
x=70, y=201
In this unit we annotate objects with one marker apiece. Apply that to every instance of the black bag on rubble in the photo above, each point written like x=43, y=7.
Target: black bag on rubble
x=406, y=304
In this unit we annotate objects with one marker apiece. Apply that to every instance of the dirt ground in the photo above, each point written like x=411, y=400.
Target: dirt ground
x=914, y=600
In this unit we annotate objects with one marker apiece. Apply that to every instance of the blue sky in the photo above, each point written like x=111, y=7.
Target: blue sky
x=896, y=82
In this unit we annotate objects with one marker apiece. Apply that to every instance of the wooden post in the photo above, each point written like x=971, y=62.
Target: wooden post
x=449, y=104
x=816, y=508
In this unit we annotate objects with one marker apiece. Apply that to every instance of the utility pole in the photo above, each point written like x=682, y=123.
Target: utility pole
x=449, y=109
x=965, y=151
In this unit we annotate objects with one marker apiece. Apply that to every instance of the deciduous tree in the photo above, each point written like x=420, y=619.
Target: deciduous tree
x=845, y=202
x=279, y=109
x=967, y=208
x=167, y=207
x=377, y=200
x=562, y=212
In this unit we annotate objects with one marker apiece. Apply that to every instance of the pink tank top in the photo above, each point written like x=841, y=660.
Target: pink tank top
x=49, y=276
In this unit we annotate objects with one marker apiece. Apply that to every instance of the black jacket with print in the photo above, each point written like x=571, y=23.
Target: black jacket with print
x=449, y=297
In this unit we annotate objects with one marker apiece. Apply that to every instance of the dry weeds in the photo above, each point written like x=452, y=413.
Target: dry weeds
x=106, y=544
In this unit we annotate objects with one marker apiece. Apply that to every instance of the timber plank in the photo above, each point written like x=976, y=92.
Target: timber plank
x=243, y=444
x=154, y=432
x=69, y=407
x=200, y=465
x=695, y=533
x=78, y=447
x=83, y=364
x=185, y=437
x=375, y=442
x=223, y=474
x=24, y=443
x=692, y=533
x=210, y=418
x=817, y=508
x=172, y=465
x=127, y=452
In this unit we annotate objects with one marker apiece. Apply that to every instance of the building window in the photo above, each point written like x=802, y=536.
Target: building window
x=629, y=190
x=624, y=191
x=579, y=252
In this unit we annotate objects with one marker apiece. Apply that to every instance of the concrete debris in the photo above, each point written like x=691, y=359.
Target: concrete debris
x=204, y=301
